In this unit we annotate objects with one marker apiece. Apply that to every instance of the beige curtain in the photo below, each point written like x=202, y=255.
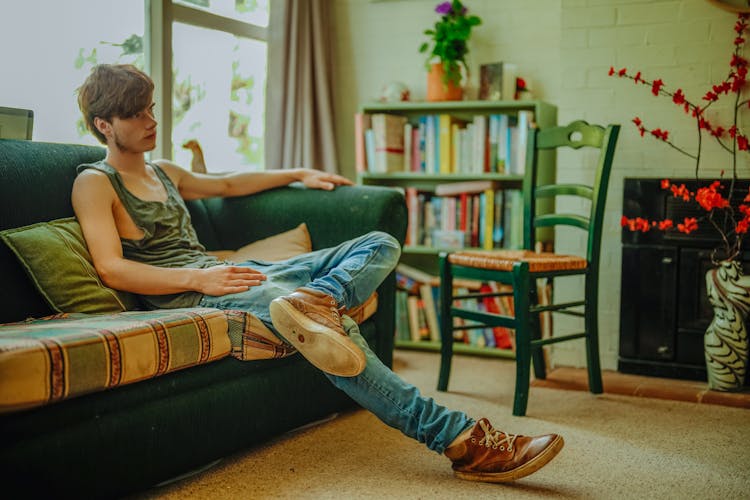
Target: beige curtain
x=299, y=109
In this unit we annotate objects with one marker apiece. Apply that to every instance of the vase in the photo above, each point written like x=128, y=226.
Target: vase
x=437, y=90
x=725, y=342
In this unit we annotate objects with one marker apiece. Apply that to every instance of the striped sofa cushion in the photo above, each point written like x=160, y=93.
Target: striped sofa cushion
x=66, y=355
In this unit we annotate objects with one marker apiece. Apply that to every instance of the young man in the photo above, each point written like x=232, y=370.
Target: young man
x=139, y=233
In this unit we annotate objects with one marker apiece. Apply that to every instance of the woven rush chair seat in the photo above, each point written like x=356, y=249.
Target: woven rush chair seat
x=504, y=260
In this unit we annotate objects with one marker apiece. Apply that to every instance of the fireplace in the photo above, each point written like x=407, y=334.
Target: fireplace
x=664, y=310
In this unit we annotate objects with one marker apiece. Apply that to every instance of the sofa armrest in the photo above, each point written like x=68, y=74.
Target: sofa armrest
x=331, y=216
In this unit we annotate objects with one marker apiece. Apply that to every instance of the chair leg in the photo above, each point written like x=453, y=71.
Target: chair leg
x=537, y=355
x=446, y=322
x=523, y=339
x=592, y=338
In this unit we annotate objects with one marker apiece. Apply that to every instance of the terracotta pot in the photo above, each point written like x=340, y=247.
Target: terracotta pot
x=439, y=91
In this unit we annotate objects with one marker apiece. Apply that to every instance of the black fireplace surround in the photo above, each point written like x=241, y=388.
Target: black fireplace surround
x=664, y=310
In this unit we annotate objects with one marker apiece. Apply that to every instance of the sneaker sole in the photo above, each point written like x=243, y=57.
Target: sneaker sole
x=524, y=470
x=325, y=348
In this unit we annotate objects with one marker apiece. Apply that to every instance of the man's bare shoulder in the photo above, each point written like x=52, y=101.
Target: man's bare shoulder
x=92, y=182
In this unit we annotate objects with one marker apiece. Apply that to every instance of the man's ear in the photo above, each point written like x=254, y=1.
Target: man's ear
x=102, y=125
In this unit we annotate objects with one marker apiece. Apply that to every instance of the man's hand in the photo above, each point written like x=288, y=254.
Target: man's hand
x=223, y=280
x=318, y=179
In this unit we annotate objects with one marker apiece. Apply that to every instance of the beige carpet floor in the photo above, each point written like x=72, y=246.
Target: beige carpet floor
x=616, y=447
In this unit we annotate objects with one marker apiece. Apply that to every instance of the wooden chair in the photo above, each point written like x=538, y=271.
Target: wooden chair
x=522, y=268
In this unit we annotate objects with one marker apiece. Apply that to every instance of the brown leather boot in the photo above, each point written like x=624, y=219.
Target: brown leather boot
x=310, y=321
x=496, y=457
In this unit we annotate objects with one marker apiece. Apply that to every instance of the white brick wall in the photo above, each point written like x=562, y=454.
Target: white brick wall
x=564, y=48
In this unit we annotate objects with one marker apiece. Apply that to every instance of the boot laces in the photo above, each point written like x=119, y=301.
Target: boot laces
x=495, y=439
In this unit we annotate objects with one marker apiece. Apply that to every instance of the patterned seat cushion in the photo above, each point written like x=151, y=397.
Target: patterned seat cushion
x=66, y=355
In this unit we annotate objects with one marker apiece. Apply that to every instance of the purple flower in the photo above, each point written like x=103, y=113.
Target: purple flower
x=443, y=8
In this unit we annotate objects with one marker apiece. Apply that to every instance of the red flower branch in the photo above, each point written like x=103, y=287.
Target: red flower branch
x=733, y=226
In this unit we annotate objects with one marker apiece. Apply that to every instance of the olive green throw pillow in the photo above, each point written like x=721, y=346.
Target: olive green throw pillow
x=55, y=256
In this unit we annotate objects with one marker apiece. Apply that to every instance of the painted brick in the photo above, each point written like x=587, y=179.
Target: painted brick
x=619, y=36
x=655, y=12
x=589, y=16
x=573, y=38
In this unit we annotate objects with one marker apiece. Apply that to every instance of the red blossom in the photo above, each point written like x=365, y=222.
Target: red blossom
x=611, y=71
x=688, y=226
x=710, y=96
x=680, y=192
x=738, y=61
x=660, y=134
x=732, y=131
x=742, y=143
x=622, y=72
x=718, y=131
x=709, y=198
x=637, y=121
x=742, y=226
x=678, y=97
x=637, y=77
x=642, y=130
x=665, y=224
x=656, y=86
x=665, y=184
x=739, y=40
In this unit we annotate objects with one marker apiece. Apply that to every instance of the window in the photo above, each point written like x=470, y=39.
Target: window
x=216, y=50
x=218, y=82
x=45, y=60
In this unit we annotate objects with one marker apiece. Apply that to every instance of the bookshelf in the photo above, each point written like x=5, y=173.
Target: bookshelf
x=420, y=172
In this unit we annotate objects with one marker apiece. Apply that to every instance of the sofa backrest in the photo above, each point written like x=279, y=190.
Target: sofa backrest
x=35, y=184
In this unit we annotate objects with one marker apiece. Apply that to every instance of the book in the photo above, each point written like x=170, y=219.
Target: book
x=479, y=146
x=402, y=315
x=489, y=215
x=389, y=142
x=407, y=147
x=412, y=206
x=370, y=150
x=430, y=310
x=412, y=303
x=445, y=123
x=361, y=123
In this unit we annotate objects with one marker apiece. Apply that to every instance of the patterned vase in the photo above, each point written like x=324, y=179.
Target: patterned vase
x=725, y=342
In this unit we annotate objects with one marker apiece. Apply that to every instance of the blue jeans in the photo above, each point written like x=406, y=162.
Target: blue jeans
x=350, y=273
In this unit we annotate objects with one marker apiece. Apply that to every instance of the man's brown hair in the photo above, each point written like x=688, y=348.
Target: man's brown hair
x=113, y=90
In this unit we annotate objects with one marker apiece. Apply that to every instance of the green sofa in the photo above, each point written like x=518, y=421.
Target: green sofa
x=128, y=438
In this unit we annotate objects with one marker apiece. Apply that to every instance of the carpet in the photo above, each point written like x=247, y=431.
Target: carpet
x=616, y=447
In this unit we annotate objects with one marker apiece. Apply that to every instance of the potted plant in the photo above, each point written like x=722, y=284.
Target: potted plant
x=448, y=43
x=725, y=209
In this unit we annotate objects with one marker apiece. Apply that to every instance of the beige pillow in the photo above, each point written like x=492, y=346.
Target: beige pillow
x=278, y=247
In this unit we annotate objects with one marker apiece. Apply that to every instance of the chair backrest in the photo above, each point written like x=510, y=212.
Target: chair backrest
x=576, y=135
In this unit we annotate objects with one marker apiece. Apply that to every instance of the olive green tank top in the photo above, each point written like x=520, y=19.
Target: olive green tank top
x=169, y=239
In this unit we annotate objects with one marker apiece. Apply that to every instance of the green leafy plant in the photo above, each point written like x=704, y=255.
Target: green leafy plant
x=449, y=39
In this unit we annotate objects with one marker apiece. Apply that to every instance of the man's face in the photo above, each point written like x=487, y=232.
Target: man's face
x=136, y=134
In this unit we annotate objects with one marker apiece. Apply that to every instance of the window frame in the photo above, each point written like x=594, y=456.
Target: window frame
x=160, y=15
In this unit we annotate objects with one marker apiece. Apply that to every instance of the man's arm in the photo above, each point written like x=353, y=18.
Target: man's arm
x=193, y=186
x=93, y=201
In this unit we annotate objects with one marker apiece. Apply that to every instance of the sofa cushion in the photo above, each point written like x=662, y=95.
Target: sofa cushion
x=55, y=256
x=66, y=355
x=278, y=247
x=251, y=339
